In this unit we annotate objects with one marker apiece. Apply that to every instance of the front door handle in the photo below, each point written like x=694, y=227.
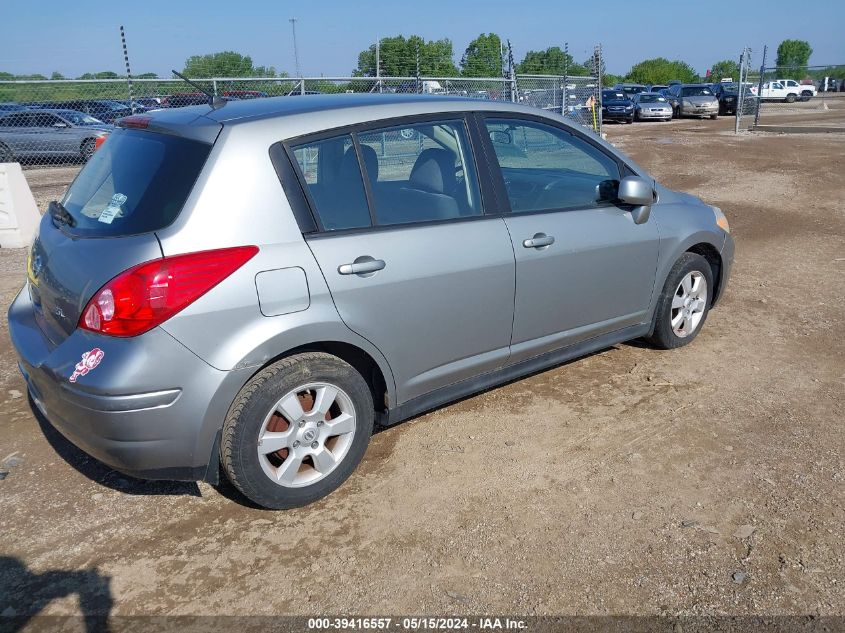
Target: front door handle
x=363, y=265
x=540, y=240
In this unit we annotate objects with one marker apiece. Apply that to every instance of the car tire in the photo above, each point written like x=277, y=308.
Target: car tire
x=87, y=149
x=273, y=409
x=790, y=98
x=683, y=304
x=630, y=120
x=714, y=116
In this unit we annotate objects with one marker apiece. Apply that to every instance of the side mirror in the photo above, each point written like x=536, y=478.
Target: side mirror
x=639, y=192
x=501, y=137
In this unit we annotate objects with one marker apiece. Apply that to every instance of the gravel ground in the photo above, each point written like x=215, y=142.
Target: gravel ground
x=706, y=480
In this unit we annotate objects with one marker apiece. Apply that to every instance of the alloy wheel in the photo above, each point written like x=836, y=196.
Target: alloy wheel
x=688, y=304
x=306, y=434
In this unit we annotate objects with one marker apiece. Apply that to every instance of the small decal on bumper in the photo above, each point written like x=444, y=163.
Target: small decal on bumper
x=89, y=361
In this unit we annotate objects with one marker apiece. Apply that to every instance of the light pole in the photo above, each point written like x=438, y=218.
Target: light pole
x=295, y=51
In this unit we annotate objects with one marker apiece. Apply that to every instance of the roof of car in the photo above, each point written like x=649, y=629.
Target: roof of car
x=240, y=111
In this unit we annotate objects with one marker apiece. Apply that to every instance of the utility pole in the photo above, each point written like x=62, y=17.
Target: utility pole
x=128, y=72
x=295, y=50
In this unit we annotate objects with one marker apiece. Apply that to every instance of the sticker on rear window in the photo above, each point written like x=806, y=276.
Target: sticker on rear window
x=89, y=361
x=111, y=211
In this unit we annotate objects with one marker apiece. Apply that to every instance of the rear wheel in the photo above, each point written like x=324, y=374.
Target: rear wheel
x=297, y=430
x=684, y=303
x=88, y=148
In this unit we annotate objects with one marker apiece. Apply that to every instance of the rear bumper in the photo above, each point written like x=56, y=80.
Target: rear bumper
x=151, y=408
x=645, y=115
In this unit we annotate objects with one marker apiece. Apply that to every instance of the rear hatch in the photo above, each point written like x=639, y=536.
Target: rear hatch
x=134, y=185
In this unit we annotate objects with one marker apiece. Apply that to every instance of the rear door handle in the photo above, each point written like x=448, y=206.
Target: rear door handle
x=361, y=266
x=540, y=240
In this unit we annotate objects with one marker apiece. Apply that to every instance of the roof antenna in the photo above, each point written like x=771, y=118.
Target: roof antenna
x=213, y=100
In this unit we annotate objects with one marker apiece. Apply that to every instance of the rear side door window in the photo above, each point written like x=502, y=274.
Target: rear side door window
x=332, y=176
x=545, y=168
x=420, y=172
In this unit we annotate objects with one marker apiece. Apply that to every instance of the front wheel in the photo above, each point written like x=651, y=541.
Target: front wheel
x=684, y=303
x=790, y=98
x=713, y=116
x=297, y=430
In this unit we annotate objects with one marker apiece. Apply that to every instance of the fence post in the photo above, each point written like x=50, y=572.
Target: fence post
x=760, y=88
x=214, y=87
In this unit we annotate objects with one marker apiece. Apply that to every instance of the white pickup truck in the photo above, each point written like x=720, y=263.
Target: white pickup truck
x=787, y=90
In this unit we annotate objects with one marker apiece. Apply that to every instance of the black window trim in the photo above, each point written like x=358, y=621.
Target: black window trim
x=315, y=229
x=624, y=168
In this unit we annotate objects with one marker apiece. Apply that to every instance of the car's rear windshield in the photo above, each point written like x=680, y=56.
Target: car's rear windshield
x=651, y=98
x=695, y=91
x=137, y=182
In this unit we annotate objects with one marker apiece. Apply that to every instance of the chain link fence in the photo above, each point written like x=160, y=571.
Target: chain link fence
x=787, y=98
x=50, y=122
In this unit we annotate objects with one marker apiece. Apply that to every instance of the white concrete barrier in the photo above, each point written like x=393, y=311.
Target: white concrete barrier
x=19, y=216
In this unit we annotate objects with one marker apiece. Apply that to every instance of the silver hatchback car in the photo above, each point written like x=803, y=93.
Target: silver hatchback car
x=248, y=289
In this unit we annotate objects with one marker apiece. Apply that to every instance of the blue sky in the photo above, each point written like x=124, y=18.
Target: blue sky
x=79, y=36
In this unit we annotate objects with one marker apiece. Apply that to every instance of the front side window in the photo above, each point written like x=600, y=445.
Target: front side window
x=420, y=172
x=333, y=178
x=546, y=168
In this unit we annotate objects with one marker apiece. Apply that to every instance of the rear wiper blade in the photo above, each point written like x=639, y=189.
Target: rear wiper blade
x=58, y=212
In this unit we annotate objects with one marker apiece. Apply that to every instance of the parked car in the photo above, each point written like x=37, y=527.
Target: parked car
x=9, y=106
x=649, y=106
x=631, y=89
x=803, y=92
x=105, y=110
x=168, y=343
x=693, y=100
x=616, y=106
x=245, y=94
x=776, y=91
x=829, y=84
x=657, y=88
x=26, y=135
x=182, y=99
x=728, y=96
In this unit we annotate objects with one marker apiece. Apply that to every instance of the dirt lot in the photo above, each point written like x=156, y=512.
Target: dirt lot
x=707, y=480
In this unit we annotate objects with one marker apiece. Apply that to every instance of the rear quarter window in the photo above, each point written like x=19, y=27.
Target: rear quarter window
x=137, y=182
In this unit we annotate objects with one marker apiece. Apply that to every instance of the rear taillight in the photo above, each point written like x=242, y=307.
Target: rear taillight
x=146, y=295
x=99, y=141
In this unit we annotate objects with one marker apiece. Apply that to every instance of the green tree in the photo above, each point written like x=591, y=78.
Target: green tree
x=57, y=75
x=224, y=64
x=398, y=57
x=106, y=74
x=483, y=57
x=794, y=54
x=552, y=61
x=726, y=68
x=147, y=76
x=660, y=70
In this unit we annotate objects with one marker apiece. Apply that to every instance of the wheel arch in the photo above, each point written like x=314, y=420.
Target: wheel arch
x=714, y=258
x=378, y=378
